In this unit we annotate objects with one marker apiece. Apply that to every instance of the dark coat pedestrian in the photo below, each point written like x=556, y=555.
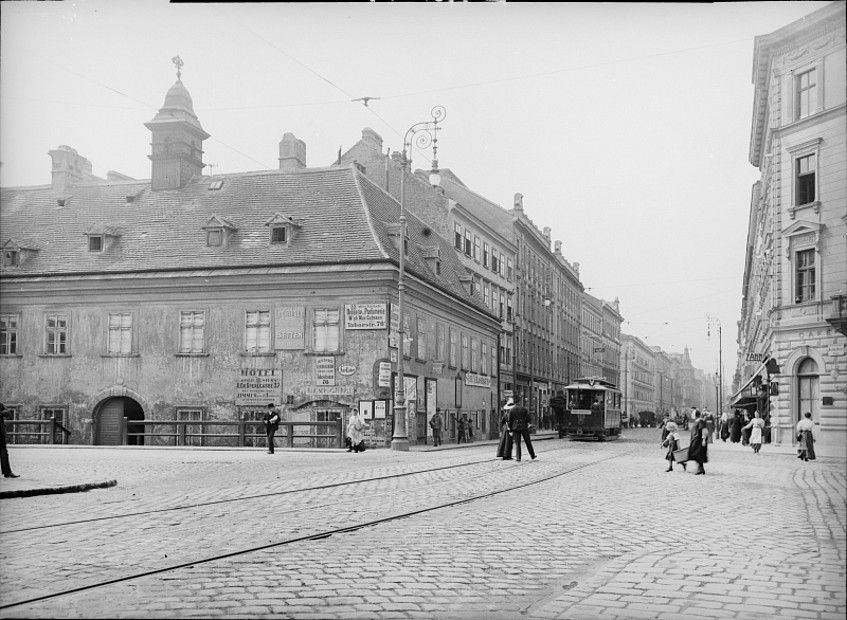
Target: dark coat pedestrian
x=4, y=452
x=745, y=430
x=698, y=448
x=464, y=425
x=735, y=428
x=519, y=421
x=271, y=420
x=504, y=448
x=436, y=423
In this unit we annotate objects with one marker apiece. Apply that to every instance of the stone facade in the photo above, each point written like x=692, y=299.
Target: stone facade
x=792, y=346
x=211, y=297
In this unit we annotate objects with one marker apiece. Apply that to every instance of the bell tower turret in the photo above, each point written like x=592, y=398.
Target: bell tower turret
x=177, y=141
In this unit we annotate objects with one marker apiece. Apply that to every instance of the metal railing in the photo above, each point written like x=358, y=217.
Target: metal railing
x=37, y=434
x=240, y=433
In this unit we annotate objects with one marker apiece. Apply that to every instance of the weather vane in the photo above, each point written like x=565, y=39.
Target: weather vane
x=178, y=64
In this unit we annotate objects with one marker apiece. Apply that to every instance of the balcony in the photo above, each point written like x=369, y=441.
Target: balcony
x=837, y=316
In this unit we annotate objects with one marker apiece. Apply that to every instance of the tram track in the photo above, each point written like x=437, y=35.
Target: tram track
x=255, y=496
x=326, y=533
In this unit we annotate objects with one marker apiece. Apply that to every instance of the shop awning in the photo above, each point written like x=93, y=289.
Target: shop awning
x=740, y=393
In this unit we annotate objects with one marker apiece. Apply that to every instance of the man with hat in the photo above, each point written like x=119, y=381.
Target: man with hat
x=436, y=423
x=519, y=424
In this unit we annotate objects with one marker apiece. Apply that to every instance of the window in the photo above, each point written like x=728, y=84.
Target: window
x=807, y=93
x=495, y=261
x=326, y=330
x=453, y=348
x=502, y=306
x=120, y=333
x=485, y=357
x=476, y=248
x=457, y=236
x=466, y=351
x=441, y=342
x=474, y=355
x=805, y=179
x=57, y=334
x=804, y=276
x=422, y=331
x=468, y=249
x=278, y=234
x=9, y=334
x=214, y=238
x=193, y=432
x=192, y=326
x=509, y=269
x=11, y=258
x=95, y=243
x=486, y=295
x=808, y=392
x=485, y=252
x=258, y=332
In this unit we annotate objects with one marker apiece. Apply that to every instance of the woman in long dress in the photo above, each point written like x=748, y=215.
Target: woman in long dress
x=805, y=438
x=355, y=428
x=756, y=425
x=504, y=449
x=697, y=449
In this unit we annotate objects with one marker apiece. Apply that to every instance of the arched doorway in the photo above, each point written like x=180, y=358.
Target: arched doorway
x=808, y=390
x=107, y=425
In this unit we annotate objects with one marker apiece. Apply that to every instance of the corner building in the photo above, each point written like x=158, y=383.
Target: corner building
x=197, y=298
x=791, y=336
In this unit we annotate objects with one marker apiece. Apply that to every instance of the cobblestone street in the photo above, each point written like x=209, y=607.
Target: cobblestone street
x=587, y=530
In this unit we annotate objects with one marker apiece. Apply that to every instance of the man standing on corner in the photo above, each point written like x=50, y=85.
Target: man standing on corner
x=271, y=420
x=519, y=424
x=436, y=423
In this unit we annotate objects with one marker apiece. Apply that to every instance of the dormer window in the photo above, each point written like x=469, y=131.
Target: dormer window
x=11, y=258
x=214, y=237
x=279, y=234
x=16, y=252
x=218, y=231
x=282, y=229
x=100, y=237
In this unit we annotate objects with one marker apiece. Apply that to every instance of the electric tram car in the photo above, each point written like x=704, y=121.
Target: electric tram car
x=591, y=410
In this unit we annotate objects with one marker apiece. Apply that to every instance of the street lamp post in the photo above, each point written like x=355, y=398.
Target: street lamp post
x=720, y=363
x=423, y=134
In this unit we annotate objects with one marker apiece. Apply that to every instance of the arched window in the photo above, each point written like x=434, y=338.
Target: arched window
x=808, y=389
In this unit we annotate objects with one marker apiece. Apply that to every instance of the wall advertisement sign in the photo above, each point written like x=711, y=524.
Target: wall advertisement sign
x=258, y=386
x=476, y=380
x=384, y=377
x=365, y=316
x=289, y=322
x=324, y=371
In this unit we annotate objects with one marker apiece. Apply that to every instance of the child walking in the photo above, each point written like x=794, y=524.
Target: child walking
x=672, y=443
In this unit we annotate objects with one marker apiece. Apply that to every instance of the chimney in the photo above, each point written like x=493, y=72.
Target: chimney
x=372, y=142
x=576, y=268
x=557, y=245
x=69, y=168
x=519, y=202
x=546, y=234
x=292, y=153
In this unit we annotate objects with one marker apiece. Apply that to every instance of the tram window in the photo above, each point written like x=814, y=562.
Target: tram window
x=581, y=399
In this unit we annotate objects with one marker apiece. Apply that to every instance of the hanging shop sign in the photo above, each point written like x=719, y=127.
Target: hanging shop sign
x=365, y=316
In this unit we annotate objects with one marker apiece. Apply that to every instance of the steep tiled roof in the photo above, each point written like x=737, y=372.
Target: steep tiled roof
x=341, y=217
x=481, y=208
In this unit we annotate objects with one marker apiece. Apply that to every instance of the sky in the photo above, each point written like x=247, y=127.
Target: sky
x=626, y=126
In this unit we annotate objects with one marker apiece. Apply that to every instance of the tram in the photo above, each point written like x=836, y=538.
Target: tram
x=591, y=410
